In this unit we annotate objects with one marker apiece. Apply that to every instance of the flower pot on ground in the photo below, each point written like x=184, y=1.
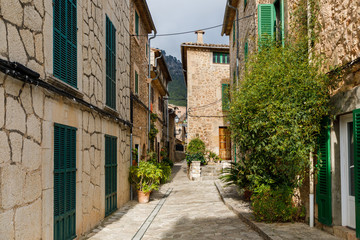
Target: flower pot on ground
x=143, y=197
x=146, y=177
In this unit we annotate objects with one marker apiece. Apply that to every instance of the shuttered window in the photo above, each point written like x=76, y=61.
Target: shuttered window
x=266, y=23
x=110, y=64
x=220, y=57
x=225, y=94
x=64, y=182
x=136, y=82
x=234, y=32
x=137, y=23
x=246, y=50
x=65, y=41
x=323, y=187
x=110, y=174
x=356, y=127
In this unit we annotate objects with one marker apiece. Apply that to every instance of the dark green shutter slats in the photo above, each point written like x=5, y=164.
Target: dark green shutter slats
x=356, y=125
x=110, y=174
x=64, y=182
x=65, y=41
x=136, y=23
x=266, y=22
x=219, y=57
x=110, y=64
x=323, y=187
x=225, y=97
x=234, y=32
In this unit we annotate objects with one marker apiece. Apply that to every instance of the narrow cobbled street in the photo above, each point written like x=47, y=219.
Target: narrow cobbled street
x=191, y=210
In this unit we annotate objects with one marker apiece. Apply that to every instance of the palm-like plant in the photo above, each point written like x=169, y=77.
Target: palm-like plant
x=146, y=177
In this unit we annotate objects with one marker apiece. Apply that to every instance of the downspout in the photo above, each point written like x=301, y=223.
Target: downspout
x=132, y=121
x=149, y=90
x=156, y=77
x=311, y=172
x=237, y=52
x=237, y=41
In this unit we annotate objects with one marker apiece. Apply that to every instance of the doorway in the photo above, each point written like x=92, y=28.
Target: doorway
x=224, y=143
x=347, y=171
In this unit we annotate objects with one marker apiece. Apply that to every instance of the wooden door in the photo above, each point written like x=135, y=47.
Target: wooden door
x=224, y=143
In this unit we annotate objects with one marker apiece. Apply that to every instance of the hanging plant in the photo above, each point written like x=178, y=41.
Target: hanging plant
x=153, y=130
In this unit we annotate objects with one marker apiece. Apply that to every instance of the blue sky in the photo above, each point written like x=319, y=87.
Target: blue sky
x=186, y=15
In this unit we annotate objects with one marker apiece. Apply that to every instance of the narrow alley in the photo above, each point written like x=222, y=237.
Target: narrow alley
x=193, y=210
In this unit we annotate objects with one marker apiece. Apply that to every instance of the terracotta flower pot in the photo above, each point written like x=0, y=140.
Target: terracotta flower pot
x=143, y=197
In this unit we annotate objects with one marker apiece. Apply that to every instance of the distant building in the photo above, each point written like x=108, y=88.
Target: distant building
x=206, y=70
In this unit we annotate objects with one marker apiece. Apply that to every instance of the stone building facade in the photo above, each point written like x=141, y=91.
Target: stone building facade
x=160, y=79
x=206, y=71
x=43, y=118
x=337, y=194
x=141, y=24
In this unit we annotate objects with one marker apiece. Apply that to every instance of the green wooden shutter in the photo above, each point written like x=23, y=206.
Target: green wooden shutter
x=234, y=32
x=65, y=41
x=64, y=182
x=234, y=77
x=246, y=50
x=136, y=82
x=266, y=23
x=225, y=97
x=110, y=64
x=356, y=122
x=323, y=187
x=245, y=3
x=110, y=174
x=136, y=23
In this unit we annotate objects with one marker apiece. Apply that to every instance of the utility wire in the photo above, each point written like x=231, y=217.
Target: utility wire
x=187, y=32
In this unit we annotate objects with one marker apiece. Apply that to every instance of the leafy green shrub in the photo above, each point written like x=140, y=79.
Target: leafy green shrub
x=196, y=145
x=146, y=176
x=199, y=156
x=237, y=174
x=271, y=205
x=166, y=171
x=152, y=157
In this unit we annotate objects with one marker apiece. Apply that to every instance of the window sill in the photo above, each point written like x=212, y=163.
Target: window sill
x=111, y=110
x=64, y=86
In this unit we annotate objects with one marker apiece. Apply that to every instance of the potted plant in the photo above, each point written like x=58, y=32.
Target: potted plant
x=146, y=177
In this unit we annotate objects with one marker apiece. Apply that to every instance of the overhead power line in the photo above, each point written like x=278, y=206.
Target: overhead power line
x=192, y=31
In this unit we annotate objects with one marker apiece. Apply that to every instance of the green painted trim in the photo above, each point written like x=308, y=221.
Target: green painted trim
x=356, y=123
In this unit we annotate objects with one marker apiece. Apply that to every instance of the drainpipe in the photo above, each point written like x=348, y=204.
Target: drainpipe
x=237, y=41
x=149, y=90
x=157, y=76
x=311, y=172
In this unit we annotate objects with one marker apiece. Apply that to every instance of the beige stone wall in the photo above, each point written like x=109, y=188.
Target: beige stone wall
x=28, y=114
x=204, y=87
x=139, y=63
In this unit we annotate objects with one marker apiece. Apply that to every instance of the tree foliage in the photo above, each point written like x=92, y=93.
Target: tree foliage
x=275, y=114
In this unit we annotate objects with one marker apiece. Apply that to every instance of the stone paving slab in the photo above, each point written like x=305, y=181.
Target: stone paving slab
x=193, y=210
x=273, y=231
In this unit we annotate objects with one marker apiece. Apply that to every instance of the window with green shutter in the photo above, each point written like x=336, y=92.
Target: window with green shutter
x=110, y=64
x=110, y=174
x=234, y=32
x=65, y=41
x=137, y=20
x=136, y=82
x=221, y=57
x=245, y=3
x=225, y=94
x=356, y=127
x=266, y=23
x=246, y=50
x=234, y=77
x=64, y=182
x=323, y=187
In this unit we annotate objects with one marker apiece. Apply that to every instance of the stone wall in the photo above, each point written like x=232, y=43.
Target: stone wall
x=28, y=113
x=139, y=63
x=205, y=114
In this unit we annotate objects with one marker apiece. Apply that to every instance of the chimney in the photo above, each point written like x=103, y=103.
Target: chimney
x=200, y=34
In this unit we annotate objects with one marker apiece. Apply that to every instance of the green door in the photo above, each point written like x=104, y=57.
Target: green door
x=64, y=182
x=356, y=126
x=110, y=174
x=323, y=187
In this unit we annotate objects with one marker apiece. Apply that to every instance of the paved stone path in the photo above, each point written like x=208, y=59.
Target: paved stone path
x=193, y=210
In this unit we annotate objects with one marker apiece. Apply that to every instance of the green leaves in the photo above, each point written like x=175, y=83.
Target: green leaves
x=146, y=176
x=275, y=113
